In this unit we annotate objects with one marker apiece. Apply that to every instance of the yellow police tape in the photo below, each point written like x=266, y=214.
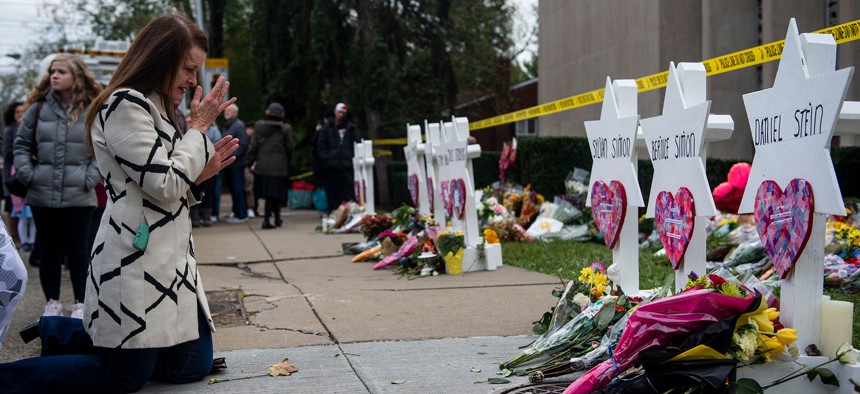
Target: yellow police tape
x=843, y=33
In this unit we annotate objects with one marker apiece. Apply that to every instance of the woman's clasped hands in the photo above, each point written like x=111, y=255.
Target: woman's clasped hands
x=203, y=113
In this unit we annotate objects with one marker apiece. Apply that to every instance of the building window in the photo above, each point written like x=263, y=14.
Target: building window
x=527, y=128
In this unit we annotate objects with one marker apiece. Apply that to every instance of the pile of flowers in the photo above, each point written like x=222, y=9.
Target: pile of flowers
x=734, y=244
x=576, y=327
x=509, y=209
x=373, y=225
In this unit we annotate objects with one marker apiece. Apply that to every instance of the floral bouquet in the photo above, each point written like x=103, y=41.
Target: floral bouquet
x=490, y=236
x=582, y=315
x=451, y=246
x=654, y=328
x=391, y=241
x=373, y=225
x=409, y=247
x=508, y=158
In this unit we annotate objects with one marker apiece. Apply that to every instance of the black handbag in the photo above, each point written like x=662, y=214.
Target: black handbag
x=15, y=186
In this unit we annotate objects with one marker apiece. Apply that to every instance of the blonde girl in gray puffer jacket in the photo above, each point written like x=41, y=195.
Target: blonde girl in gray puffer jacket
x=52, y=159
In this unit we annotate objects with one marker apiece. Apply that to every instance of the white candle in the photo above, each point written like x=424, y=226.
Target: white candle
x=837, y=325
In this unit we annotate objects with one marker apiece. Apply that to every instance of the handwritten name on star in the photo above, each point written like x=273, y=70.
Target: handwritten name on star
x=681, y=146
x=806, y=122
x=618, y=147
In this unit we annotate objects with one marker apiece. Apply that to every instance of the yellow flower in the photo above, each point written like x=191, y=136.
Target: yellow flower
x=597, y=291
x=599, y=279
x=771, y=346
x=540, y=199
x=490, y=236
x=761, y=322
x=786, y=335
x=585, y=274
x=772, y=314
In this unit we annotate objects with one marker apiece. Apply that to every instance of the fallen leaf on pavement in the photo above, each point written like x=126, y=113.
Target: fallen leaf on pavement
x=283, y=368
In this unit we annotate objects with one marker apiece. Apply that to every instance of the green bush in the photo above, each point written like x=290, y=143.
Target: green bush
x=545, y=162
x=398, y=192
x=486, y=168
x=847, y=160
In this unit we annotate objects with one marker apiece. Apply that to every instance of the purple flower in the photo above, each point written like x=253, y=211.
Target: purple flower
x=598, y=266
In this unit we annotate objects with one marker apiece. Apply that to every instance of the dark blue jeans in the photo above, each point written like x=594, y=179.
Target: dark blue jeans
x=71, y=364
x=234, y=177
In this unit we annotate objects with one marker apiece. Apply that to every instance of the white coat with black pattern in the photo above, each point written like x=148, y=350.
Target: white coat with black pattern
x=145, y=299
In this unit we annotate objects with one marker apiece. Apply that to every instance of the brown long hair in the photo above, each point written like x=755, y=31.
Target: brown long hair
x=9, y=113
x=84, y=89
x=152, y=61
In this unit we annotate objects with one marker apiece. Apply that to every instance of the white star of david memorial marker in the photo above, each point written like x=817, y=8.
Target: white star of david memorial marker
x=791, y=125
x=612, y=142
x=675, y=142
x=416, y=170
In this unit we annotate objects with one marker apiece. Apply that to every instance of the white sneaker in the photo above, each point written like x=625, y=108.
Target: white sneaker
x=214, y=219
x=77, y=311
x=53, y=308
x=233, y=219
x=251, y=213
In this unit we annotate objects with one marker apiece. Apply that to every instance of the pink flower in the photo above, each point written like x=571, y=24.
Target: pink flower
x=499, y=209
x=598, y=266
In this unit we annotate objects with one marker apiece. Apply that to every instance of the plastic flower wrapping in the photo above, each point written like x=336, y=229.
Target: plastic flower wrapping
x=665, y=328
x=694, y=339
x=575, y=326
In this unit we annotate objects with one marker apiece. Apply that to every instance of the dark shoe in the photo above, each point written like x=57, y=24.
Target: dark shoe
x=218, y=364
x=266, y=225
x=30, y=332
x=278, y=222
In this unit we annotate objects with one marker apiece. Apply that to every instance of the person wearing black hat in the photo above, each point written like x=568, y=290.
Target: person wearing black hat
x=269, y=158
x=336, y=150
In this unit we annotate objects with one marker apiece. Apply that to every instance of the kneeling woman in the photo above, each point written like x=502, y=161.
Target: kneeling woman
x=141, y=297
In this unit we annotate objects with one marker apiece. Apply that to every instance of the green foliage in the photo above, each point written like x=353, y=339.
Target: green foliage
x=486, y=168
x=398, y=191
x=120, y=20
x=846, y=161
x=392, y=62
x=545, y=162
x=567, y=258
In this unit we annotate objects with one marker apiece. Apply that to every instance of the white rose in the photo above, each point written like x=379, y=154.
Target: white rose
x=582, y=300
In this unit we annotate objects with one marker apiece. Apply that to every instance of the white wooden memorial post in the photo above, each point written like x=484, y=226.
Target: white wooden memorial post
x=791, y=189
x=416, y=177
x=434, y=172
x=362, y=164
x=675, y=142
x=367, y=175
x=792, y=124
x=357, y=173
x=612, y=140
x=455, y=156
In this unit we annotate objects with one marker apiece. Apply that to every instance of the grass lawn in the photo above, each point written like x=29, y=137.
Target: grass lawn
x=566, y=258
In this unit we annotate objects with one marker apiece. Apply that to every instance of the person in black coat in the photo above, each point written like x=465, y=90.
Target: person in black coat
x=335, y=149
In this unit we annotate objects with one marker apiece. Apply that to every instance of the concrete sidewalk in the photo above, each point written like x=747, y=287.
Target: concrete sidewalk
x=347, y=328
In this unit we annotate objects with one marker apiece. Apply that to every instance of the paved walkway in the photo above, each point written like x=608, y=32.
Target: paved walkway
x=347, y=328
